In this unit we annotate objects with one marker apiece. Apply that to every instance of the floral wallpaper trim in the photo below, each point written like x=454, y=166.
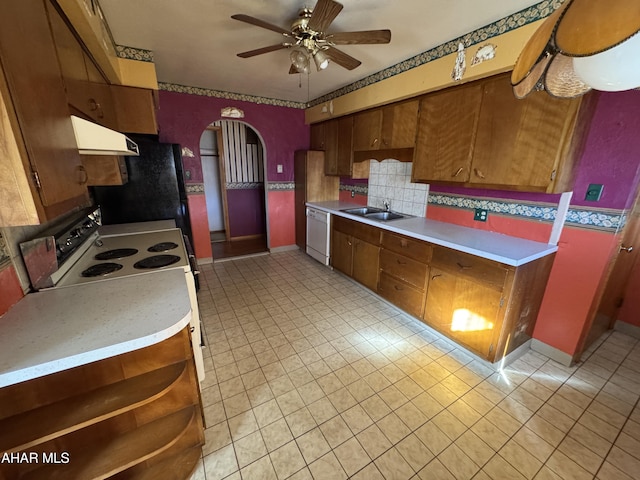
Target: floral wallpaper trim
x=244, y=185
x=602, y=219
x=133, y=53
x=500, y=27
x=281, y=186
x=359, y=189
x=194, y=188
x=207, y=92
x=4, y=251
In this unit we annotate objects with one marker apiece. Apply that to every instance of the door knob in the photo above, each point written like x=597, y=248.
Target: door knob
x=628, y=249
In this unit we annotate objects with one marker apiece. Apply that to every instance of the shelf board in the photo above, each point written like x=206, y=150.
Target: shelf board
x=34, y=427
x=125, y=451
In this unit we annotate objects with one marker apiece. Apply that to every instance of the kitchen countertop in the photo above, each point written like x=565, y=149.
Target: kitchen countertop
x=61, y=328
x=493, y=246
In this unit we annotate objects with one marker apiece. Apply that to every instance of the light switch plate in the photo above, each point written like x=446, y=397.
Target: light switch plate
x=279, y=169
x=594, y=192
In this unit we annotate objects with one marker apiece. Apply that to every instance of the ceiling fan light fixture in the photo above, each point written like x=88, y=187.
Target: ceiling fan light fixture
x=299, y=59
x=321, y=59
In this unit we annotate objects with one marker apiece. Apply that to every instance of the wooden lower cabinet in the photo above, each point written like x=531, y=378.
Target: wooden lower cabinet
x=355, y=249
x=135, y=416
x=487, y=307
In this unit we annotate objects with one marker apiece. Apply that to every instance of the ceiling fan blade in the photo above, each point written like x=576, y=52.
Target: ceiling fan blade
x=363, y=37
x=261, y=23
x=260, y=51
x=342, y=59
x=323, y=14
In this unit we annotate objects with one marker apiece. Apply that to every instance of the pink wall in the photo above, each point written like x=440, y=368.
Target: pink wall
x=183, y=118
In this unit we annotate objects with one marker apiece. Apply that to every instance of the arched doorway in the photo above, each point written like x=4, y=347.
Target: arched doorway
x=232, y=156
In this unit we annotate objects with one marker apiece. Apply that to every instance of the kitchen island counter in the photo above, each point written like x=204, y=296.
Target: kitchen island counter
x=58, y=329
x=490, y=245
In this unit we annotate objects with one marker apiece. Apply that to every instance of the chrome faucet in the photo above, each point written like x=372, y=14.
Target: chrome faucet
x=387, y=205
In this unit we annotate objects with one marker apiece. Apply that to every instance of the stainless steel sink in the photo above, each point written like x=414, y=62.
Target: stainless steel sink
x=362, y=211
x=385, y=216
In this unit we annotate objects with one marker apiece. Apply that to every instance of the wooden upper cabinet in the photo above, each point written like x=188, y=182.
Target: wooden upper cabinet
x=521, y=143
x=135, y=109
x=36, y=110
x=446, y=133
x=367, y=130
x=338, y=146
x=386, y=128
x=399, y=124
x=317, y=136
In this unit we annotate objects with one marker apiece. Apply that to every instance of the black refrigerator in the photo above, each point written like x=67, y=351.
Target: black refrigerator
x=155, y=189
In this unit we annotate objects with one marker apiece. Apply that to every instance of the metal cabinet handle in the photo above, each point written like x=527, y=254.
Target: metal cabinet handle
x=375, y=140
x=628, y=249
x=478, y=173
x=463, y=267
x=400, y=262
x=398, y=287
x=458, y=172
x=433, y=277
x=83, y=176
x=349, y=242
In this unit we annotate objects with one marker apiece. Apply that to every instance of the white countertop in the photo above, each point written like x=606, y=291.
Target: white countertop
x=57, y=329
x=493, y=246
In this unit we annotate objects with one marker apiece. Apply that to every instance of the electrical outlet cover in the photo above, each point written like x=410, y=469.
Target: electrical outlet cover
x=480, y=215
x=594, y=192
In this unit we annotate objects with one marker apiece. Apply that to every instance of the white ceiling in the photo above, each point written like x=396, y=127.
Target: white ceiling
x=195, y=42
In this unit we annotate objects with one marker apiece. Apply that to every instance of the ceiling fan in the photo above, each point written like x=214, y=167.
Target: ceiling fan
x=309, y=40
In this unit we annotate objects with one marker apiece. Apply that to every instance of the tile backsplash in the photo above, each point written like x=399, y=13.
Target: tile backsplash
x=391, y=180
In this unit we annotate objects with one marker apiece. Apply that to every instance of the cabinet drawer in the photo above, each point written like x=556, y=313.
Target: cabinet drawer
x=408, y=247
x=356, y=229
x=475, y=268
x=401, y=294
x=403, y=268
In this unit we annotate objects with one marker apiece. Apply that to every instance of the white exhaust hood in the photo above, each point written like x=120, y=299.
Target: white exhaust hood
x=94, y=139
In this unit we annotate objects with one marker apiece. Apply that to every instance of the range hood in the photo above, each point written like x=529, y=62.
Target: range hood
x=94, y=139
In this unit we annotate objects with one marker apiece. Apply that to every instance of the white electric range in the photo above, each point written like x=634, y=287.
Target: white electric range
x=82, y=256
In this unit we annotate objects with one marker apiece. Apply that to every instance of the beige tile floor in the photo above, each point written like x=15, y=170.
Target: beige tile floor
x=310, y=375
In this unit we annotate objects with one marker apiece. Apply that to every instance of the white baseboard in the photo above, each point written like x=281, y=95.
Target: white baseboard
x=285, y=248
x=627, y=329
x=552, y=352
x=204, y=261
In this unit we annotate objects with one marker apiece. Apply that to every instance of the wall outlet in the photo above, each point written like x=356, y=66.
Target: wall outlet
x=279, y=169
x=480, y=215
x=594, y=192
x=353, y=193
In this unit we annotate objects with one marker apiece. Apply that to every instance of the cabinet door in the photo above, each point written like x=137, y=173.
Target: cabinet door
x=135, y=109
x=446, y=134
x=331, y=147
x=317, y=136
x=36, y=90
x=399, y=125
x=365, y=263
x=341, y=252
x=520, y=143
x=345, y=146
x=463, y=310
x=367, y=127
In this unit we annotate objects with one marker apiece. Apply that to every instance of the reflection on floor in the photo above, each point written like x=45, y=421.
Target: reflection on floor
x=238, y=248
x=311, y=376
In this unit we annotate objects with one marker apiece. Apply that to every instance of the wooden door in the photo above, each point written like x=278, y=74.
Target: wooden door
x=446, y=134
x=520, y=143
x=366, y=130
x=341, y=252
x=365, y=263
x=622, y=264
x=300, y=197
x=399, y=125
x=463, y=310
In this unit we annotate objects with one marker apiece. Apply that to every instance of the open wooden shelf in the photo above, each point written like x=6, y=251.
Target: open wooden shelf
x=180, y=465
x=123, y=452
x=37, y=426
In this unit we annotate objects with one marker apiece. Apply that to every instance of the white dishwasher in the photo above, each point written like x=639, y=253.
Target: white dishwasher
x=318, y=235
